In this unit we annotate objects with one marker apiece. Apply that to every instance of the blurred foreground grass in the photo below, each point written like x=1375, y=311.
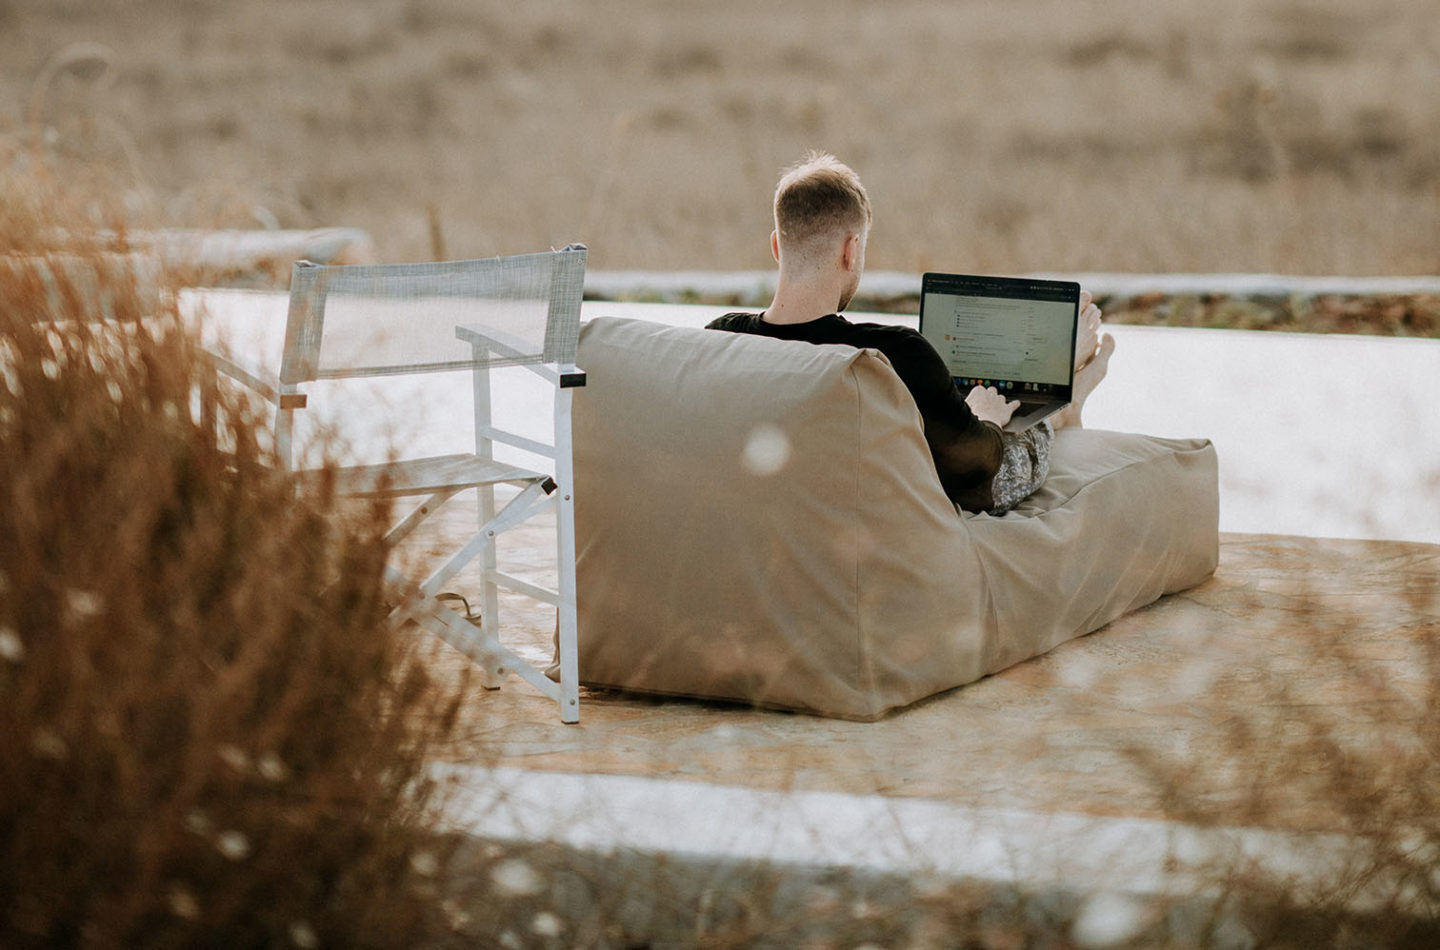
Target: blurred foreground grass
x=209, y=734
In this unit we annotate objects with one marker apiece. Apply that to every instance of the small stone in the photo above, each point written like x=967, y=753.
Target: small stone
x=455, y=915
x=83, y=605
x=516, y=878
x=547, y=924
x=234, y=756
x=182, y=903
x=233, y=845
x=48, y=745
x=303, y=935
x=1108, y=920
x=12, y=648
x=425, y=863
x=272, y=768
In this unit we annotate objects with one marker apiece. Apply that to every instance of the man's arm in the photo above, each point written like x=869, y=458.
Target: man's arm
x=1026, y=460
x=963, y=432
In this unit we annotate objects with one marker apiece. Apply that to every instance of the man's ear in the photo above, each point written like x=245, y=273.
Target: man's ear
x=850, y=254
x=775, y=245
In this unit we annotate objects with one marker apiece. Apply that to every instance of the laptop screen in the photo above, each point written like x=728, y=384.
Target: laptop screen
x=1016, y=334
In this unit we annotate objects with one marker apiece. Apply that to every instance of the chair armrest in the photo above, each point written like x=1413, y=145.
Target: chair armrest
x=264, y=384
x=513, y=348
x=498, y=341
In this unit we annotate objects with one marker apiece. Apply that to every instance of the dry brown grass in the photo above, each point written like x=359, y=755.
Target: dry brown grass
x=1245, y=135
x=209, y=733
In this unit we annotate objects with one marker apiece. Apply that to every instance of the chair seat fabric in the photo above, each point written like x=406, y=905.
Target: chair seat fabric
x=760, y=521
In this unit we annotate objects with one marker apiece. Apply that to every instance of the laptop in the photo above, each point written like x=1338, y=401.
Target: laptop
x=1014, y=333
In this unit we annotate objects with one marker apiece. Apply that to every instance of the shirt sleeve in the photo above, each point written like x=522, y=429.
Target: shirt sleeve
x=1023, y=467
x=968, y=453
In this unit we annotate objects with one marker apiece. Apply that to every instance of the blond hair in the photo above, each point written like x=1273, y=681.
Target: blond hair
x=816, y=199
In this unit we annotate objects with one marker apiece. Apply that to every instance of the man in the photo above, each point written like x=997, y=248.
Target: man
x=822, y=222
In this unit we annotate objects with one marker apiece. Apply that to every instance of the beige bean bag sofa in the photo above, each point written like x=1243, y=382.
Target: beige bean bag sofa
x=759, y=520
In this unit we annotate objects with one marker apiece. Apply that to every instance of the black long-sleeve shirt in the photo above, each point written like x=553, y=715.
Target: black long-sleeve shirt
x=968, y=452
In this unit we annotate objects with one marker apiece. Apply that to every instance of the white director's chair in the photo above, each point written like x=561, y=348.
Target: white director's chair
x=481, y=315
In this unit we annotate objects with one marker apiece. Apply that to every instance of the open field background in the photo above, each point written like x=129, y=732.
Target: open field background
x=1295, y=136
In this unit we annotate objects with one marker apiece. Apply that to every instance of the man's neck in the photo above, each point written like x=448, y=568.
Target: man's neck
x=800, y=303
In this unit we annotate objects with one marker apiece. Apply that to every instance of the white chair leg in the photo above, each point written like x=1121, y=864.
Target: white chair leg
x=565, y=545
x=485, y=495
x=489, y=590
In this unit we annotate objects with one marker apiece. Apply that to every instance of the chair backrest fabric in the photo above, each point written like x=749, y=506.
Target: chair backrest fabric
x=387, y=319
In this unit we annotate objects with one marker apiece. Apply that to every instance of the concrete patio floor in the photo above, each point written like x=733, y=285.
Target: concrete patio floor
x=1290, y=633
x=1239, y=722
x=1268, y=725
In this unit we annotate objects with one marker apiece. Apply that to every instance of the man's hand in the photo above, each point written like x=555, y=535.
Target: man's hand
x=989, y=406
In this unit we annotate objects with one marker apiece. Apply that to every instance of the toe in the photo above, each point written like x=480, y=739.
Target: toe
x=1101, y=359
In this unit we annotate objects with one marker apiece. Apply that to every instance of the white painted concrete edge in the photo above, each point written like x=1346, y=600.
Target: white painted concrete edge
x=1089, y=855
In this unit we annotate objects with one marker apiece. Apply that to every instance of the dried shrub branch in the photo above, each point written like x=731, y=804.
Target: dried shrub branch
x=208, y=731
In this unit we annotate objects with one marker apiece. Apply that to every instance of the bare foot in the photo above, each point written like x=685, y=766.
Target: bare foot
x=1087, y=331
x=1087, y=378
